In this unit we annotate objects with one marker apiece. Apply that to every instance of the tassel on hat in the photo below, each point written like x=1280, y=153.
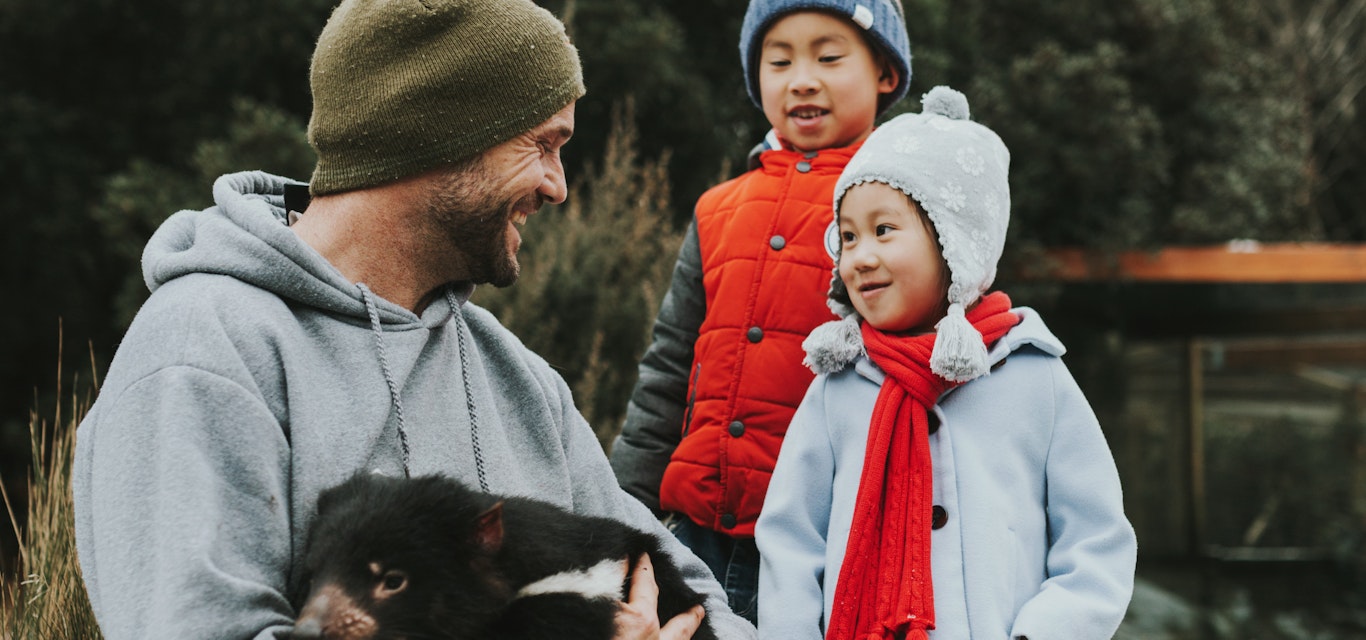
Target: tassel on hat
x=959, y=354
x=833, y=345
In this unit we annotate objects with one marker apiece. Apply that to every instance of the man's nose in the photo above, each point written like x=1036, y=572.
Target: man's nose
x=553, y=186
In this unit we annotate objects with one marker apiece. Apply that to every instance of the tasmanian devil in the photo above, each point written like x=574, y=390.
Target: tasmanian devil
x=431, y=558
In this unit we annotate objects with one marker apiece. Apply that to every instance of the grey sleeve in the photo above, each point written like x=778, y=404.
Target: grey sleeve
x=654, y=417
x=182, y=510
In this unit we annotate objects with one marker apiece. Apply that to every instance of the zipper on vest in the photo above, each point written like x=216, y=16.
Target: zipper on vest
x=692, y=397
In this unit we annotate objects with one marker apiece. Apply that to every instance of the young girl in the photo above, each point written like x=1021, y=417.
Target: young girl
x=971, y=497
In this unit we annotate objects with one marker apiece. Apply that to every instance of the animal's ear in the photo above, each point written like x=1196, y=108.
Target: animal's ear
x=488, y=529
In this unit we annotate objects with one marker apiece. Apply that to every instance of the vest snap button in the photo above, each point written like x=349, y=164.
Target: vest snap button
x=803, y=166
x=755, y=334
x=728, y=520
x=737, y=429
x=777, y=242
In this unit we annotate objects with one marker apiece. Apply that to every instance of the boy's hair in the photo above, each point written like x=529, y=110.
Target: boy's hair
x=883, y=23
x=957, y=171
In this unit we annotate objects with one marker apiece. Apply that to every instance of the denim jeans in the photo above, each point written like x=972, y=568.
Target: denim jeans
x=734, y=562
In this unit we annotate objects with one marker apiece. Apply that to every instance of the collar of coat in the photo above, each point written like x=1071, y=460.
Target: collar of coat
x=837, y=344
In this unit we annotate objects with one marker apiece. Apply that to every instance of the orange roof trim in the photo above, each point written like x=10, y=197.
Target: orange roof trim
x=1240, y=261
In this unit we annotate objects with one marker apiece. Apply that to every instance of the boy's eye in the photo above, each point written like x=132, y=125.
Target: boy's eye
x=778, y=63
x=829, y=59
x=883, y=229
x=847, y=236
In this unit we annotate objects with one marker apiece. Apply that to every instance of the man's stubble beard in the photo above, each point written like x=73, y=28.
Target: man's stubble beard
x=475, y=220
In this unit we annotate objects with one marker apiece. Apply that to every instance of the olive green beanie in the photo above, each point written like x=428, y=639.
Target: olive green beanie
x=404, y=86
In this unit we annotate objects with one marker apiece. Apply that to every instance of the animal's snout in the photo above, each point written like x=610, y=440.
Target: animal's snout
x=331, y=614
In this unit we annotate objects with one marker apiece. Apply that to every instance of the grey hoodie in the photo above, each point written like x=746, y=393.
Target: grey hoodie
x=256, y=376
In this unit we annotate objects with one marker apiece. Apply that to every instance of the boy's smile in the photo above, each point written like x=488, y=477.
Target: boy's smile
x=890, y=260
x=820, y=81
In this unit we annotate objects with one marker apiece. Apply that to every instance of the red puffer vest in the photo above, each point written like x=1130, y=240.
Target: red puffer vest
x=765, y=270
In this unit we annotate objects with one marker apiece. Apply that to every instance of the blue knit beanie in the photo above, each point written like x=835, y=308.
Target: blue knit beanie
x=883, y=20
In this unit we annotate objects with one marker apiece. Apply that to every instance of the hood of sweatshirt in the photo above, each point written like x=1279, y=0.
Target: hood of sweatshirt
x=246, y=235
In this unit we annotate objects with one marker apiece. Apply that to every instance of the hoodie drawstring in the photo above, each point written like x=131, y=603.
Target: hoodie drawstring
x=469, y=397
x=397, y=401
x=394, y=398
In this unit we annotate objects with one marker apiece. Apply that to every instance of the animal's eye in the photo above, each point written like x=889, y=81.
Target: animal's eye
x=393, y=582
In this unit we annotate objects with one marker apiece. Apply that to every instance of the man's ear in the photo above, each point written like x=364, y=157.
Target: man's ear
x=488, y=529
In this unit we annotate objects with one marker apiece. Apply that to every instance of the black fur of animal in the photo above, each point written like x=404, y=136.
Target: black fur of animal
x=430, y=558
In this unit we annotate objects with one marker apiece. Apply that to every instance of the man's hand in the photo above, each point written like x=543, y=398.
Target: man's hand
x=638, y=617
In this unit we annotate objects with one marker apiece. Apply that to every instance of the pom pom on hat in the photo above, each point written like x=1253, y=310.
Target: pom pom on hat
x=946, y=102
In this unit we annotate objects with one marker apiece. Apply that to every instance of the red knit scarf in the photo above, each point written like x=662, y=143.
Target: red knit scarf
x=885, y=588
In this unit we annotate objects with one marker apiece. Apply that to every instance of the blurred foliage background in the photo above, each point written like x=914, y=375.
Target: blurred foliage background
x=1132, y=124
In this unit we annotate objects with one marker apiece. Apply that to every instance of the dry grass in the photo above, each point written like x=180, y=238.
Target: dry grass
x=45, y=599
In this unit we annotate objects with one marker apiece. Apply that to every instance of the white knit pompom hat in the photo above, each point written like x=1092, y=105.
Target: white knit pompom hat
x=957, y=171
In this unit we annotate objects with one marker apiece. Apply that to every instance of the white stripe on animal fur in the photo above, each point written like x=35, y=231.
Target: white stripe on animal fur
x=602, y=580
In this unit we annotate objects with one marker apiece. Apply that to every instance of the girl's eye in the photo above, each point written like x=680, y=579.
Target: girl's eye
x=847, y=236
x=883, y=229
x=828, y=59
x=778, y=63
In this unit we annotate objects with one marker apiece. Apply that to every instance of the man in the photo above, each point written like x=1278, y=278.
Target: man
x=282, y=352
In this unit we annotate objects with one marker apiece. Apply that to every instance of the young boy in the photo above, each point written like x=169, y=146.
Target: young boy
x=915, y=492
x=723, y=376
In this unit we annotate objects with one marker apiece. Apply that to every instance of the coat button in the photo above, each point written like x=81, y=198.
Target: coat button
x=777, y=242
x=737, y=428
x=803, y=166
x=728, y=520
x=934, y=420
x=939, y=517
x=810, y=154
x=755, y=334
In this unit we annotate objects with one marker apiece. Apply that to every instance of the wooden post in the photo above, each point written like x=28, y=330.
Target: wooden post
x=1196, y=442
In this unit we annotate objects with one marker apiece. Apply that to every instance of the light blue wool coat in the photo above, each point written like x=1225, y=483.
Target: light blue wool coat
x=254, y=377
x=1036, y=544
